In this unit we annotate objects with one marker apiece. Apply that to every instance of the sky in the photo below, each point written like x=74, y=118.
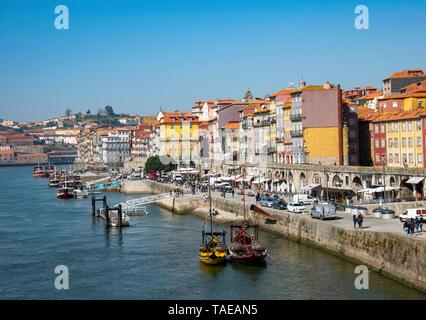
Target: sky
x=139, y=55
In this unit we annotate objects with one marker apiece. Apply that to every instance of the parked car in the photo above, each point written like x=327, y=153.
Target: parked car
x=324, y=211
x=134, y=176
x=412, y=214
x=153, y=175
x=178, y=178
x=306, y=199
x=279, y=204
x=296, y=207
x=266, y=202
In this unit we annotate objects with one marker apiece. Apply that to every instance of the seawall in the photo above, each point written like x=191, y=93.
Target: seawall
x=393, y=255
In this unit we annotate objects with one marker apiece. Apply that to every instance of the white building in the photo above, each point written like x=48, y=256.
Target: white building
x=116, y=146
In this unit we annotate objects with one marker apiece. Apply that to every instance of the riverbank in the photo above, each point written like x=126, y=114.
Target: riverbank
x=390, y=253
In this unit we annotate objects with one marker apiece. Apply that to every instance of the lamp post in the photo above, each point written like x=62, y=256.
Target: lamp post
x=384, y=178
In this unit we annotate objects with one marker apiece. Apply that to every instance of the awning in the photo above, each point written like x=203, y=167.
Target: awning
x=415, y=180
x=379, y=189
x=248, y=179
x=239, y=179
x=310, y=187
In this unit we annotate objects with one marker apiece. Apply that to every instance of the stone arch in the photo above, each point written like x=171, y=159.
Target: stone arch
x=269, y=174
x=316, y=178
x=337, y=182
x=357, y=182
x=277, y=175
x=392, y=181
x=302, y=179
x=406, y=192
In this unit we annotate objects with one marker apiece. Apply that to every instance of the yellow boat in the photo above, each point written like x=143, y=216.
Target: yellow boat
x=212, y=251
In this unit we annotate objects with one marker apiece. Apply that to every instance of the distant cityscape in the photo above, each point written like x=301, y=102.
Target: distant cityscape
x=306, y=124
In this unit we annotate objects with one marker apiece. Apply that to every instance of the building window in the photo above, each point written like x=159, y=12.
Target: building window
x=395, y=143
x=419, y=141
x=404, y=142
x=376, y=128
x=403, y=126
x=396, y=157
x=390, y=158
x=395, y=104
x=404, y=158
x=376, y=143
x=383, y=143
x=396, y=127
x=377, y=157
x=420, y=104
x=390, y=125
x=382, y=128
x=409, y=126
x=418, y=125
x=419, y=158
x=390, y=145
x=410, y=158
x=410, y=142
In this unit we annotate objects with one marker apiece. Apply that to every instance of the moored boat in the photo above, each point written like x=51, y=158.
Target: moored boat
x=39, y=172
x=212, y=250
x=244, y=246
x=65, y=191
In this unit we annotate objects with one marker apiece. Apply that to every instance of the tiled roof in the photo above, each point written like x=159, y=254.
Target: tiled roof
x=366, y=114
x=7, y=152
x=232, y=125
x=31, y=155
x=396, y=116
x=407, y=74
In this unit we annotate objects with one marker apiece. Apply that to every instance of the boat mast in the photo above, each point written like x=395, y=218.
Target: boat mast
x=210, y=210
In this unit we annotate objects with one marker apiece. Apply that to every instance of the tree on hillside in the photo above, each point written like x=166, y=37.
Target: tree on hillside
x=88, y=111
x=109, y=111
x=68, y=112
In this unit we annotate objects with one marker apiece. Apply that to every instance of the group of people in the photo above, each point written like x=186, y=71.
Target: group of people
x=358, y=219
x=413, y=225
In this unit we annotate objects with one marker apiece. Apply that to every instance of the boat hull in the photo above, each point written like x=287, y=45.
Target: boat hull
x=212, y=258
x=248, y=257
x=64, y=194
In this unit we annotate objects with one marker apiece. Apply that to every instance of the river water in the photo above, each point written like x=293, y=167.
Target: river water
x=154, y=258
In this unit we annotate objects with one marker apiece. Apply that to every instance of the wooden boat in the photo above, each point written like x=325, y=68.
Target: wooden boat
x=54, y=180
x=212, y=250
x=39, y=172
x=65, y=191
x=244, y=246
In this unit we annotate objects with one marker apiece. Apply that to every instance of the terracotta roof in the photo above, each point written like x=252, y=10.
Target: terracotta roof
x=176, y=117
x=366, y=114
x=407, y=74
x=282, y=92
x=232, y=125
x=415, y=86
x=309, y=88
x=7, y=152
x=396, y=116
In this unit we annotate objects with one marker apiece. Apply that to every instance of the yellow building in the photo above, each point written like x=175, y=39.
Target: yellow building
x=404, y=139
x=179, y=137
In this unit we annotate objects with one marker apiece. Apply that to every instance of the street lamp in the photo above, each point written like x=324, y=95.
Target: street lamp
x=384, y=178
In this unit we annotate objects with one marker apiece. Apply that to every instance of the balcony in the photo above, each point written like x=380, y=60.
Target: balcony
x=296, y=133
x=296, y=117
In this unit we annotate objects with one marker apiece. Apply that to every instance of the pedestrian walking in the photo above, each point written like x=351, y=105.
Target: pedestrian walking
x=360, y=220
x=233, y=193
x=354, y=218
x=412, y=227
x=406, y=227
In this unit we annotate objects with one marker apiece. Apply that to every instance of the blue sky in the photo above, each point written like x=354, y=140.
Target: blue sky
x=140, y=55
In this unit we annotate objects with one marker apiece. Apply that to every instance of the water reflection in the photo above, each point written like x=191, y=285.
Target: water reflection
x=212, y=271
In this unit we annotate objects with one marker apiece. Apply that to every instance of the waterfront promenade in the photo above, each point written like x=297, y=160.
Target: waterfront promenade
x=380, y=244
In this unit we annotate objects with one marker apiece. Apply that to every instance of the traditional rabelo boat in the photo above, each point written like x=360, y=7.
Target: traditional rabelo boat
x=212, y=250
x=39, y=172
x=65, y=190
x=54, y=179
x=244, y=246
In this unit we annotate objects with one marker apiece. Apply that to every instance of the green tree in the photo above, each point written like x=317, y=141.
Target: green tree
x=88, y=112
x=153, y=164
x=68, y=112
x=109, y=111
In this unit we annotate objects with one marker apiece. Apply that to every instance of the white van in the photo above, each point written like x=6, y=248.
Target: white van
x=306, y=199
x=412, y=214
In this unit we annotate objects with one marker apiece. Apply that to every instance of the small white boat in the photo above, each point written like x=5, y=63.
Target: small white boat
x=80, y=194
